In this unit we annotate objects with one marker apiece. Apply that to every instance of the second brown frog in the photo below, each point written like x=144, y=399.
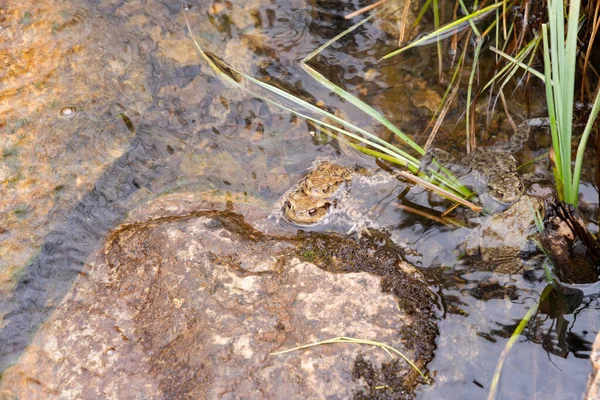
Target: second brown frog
x=493, y=170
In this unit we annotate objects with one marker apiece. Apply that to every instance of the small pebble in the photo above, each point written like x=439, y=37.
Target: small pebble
x=67, y=111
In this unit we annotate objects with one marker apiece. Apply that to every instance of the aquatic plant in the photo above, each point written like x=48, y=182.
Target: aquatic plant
x=560, y=66
x=494, y=387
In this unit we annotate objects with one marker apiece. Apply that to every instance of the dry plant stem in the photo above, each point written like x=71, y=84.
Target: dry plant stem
x=595, y=24
x=438, y=190
x=504, y=21
x=423, y=214
x=450, y=209
x=365, y=9
x=524, y=27
x=507, y=112
x=403, y=23
x=342, y=339
x=454, y=41
x=597, y=136
x=442, y=115
x=471, y=140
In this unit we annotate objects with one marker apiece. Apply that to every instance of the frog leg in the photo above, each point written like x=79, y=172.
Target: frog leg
x=359, y=229
x=435, y=158
x=359, y=222
x=518, y=140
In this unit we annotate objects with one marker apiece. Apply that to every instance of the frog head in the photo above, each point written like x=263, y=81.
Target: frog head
x=505, y=188
x=304, y=210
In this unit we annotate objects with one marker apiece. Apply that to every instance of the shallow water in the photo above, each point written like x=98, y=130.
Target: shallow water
x=106, y=105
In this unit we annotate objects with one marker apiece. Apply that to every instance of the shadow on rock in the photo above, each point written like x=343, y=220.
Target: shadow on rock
x=45, y=281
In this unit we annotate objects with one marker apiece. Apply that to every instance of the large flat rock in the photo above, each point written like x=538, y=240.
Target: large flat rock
x=190, y=304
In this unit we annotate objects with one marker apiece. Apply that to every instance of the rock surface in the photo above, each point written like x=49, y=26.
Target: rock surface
x=593, y=392
x=190, y=304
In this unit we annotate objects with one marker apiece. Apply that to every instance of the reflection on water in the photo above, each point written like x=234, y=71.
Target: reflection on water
x=106, y=104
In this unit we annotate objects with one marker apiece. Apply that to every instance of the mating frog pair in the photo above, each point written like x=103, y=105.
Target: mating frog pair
x=316, y=194
x=322, y=196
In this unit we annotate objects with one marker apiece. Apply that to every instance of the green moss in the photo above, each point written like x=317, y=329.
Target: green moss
x=308, y=255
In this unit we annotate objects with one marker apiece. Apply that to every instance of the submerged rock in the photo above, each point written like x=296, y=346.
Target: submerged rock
x=190, y=304
x=503, y=238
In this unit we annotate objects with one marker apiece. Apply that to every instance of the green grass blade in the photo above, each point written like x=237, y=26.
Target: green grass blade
x=552, y=114
x=513, y=339
x=335, y=118
x=436, y=24
x=364, y=107
x=208, y=60
x=569, y=85
x=400, y=155
x=366, y=150
x=471, y=78
x=344, y=33
x=450, y=183
x=471, y=22
x=421, y=13
x=342, y=339
x=509, y=70
x=582, y=144
x=533, y=71
x=351, y=98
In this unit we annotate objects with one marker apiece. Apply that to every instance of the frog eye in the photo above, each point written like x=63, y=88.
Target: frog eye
x=312, y=211
x=288, y=205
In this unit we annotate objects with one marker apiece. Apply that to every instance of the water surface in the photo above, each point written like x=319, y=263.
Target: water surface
x=106, y=105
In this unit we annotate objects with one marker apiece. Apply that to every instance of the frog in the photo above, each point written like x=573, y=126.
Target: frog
x=502, y=238
x=493, y=168
x=304, y=210
x=325, y=180
x=322, y=196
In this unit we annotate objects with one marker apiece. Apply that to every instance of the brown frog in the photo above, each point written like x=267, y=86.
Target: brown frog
x=304, y=210
x=502, y=238
x=493, y=169
x=325, y=180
